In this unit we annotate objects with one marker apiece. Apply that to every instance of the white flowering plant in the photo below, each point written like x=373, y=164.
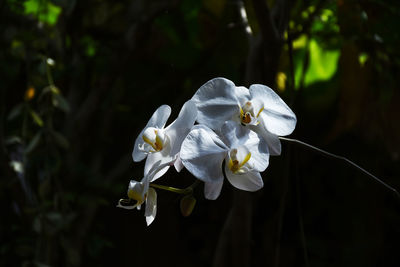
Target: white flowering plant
x=224, y=131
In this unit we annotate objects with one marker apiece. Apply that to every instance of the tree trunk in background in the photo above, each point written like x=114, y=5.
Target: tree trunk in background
x=235, y=243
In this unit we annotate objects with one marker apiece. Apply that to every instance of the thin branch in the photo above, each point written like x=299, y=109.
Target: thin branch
x=264, y=18
x=341, y=158
x=281, y=15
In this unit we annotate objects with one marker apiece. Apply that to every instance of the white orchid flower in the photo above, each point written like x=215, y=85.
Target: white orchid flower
x=203, y=153
x=141, y=192
x=258, y=107
x=161, y=144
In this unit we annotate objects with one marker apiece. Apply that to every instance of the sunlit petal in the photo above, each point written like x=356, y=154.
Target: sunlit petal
x=155, y=159
x=178, y=164
x=276, y=116
x=259, y=149
x=235, y=134
x=213, y=189
x=178, y=129
x=216, y=102
x=157, y=120
x=202, y=153
x=138, y=154
x=259, y=159
x=159, y=117
x=250, y=181
x=151, y=206
x=242, y=94
x=272, y=140
x=277, y=124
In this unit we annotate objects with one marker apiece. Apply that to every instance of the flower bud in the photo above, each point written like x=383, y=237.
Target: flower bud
x=187, y=205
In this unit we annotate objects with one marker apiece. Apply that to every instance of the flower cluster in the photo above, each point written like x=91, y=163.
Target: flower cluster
x=237, y=130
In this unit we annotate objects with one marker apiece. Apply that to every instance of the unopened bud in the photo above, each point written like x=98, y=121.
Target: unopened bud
x=187, y=205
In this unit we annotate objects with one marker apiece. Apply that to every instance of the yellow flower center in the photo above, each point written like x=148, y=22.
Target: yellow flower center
x=247, y=114
x=155, y=138
x=236, y=162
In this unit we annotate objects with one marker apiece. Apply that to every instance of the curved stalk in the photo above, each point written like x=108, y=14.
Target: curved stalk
x=331, y=155
x=184, y=191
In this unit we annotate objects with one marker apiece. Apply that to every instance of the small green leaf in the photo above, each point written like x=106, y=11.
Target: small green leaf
x=36, y=118
x=33, y=143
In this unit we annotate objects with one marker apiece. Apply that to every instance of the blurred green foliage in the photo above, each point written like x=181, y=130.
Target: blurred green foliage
x=79, y=79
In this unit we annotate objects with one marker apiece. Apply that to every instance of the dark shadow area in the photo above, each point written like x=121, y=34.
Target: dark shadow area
x=80, y=79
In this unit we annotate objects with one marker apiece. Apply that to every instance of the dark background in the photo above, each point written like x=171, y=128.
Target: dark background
x=67, y=127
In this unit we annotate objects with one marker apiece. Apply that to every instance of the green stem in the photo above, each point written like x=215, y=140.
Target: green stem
x=184, y=191
x=323, y=152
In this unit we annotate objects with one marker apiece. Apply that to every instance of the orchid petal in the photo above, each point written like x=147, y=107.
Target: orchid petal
x=157, y=120
x=157, y=159
x=243, y=94
x=159, y=117
x=235, y=134
x=178, y=129
x=178, y=164
x=202, y=153
x=213, y=189
x=250, y=181
x=259, y=159
x=137, y=154
x=273, y=142
x=259, y=149
x=276, y=116
x=276, y=123
x=151, y=206
x=216, y=102
x=130, y=207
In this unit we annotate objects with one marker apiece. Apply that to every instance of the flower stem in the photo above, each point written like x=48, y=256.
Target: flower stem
x=184, y=191
x=331, y=155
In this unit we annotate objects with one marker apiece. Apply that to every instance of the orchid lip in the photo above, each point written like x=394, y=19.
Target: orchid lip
x=140, y=198
x=154, y=140
x=237, y=163
x=247, y=114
